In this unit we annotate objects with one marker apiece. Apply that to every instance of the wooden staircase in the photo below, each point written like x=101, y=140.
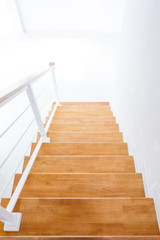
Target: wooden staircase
x=83, y=183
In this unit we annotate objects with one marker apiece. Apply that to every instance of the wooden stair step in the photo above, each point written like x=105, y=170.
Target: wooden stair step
x=85, y=137
x=133, y=237
x=90, y=104
x=83, y=114
x=87, y=127
x=82, y=185
x=82, y=149
x=74, y=120
x=82, y=164
x=151, y=237
x=84, y=108
x=85, y=217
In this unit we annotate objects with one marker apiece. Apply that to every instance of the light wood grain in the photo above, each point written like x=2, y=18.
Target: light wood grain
x=82, y=149
x=151, y=237
x=79, y=119
x=87, y=127
x=82, y=185
x=82, y=164
x=84, y=108
x=83, y=114
x=91, y=104
x=85, y=137
x=86, y=217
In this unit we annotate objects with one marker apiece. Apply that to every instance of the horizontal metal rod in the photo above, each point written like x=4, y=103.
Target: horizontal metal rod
x=4, y=161
x=26, y=172
x=19, y=87
x=8, y=182
x=20, y=115
x=14, y=172
x=23, y=179
x=6, y=130
x=5, y=97
x=2, y=164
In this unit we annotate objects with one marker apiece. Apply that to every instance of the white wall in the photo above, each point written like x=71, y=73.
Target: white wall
x=85, y=60
x=71, y=15
x=135, y=97
x=84, y=63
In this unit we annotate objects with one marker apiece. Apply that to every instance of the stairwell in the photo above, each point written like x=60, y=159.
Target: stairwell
x=83, y=183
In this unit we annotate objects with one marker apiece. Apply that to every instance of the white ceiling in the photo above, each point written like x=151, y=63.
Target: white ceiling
x=71, y=15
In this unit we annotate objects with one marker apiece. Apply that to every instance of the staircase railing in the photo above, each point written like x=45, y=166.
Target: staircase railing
x=12, y=220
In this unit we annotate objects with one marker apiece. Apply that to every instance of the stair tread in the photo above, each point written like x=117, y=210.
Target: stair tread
x=83, y=113
x=82, y=185
x=84, y=127
x=89, y=118
x=85, y=217
x=82, y=164
x=57, y=136
x=78, y=120
x=84, y=119
x=82, y=149
x=84, y=109
x=92, y=104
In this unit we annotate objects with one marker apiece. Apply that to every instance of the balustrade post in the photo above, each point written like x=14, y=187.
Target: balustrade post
x=52, y=65
x=36, y=113
x=11, y=220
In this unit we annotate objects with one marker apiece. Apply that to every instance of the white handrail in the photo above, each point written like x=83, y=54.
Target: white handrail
x=29, y=125
x=25, y=174
x=14, y=172
x=36, y=111
x=11, y=92
x=19, y=116
x=12, y=220
x=6, y=158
